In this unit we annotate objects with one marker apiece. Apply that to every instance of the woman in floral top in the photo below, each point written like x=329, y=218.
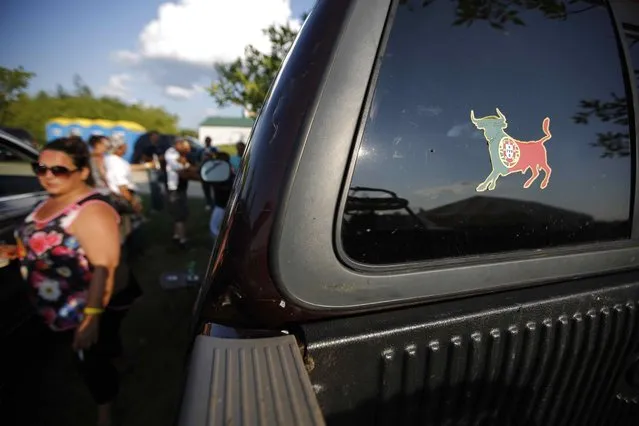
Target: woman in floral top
x=69, y=248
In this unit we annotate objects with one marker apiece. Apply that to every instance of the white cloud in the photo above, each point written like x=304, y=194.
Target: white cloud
x=203, y=31
x=430, y=111
x=179, y=47
x=233, y=111
x=181, y=93
x=117, y=86
x=125, y=57
x=465, y=130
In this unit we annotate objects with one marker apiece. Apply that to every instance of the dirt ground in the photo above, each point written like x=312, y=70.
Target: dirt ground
x=155, y=335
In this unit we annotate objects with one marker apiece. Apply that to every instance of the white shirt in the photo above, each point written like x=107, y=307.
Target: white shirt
x=118, y=173
x=173, y=166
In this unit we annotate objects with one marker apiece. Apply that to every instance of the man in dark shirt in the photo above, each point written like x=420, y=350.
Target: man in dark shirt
x=178, y=171
x=222, y=194
x=207, y=154
x=236, y=159
x=154, y=153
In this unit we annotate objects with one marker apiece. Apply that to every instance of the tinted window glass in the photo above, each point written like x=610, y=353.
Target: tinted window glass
x=16, y=175
x=430, y=181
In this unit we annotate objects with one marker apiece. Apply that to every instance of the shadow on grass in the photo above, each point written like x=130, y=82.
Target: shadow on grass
x=155, y=335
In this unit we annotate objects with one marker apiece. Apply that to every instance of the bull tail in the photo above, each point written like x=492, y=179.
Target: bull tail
x=546, y=128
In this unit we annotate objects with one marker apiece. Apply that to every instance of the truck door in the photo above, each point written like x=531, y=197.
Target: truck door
x=464, y=208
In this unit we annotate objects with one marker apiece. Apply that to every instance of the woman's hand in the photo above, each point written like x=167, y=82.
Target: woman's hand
x=87, y=333
x=137, y=205
x=8, y=251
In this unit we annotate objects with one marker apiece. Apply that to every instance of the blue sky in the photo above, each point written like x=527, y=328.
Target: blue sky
x=149, y=51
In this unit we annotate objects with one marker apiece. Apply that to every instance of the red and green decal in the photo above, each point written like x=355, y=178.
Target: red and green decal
x=509, y=155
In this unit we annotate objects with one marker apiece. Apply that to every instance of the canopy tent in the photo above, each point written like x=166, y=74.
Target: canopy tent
x=84, y=127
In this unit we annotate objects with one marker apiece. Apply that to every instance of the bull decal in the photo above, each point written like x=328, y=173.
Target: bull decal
x=509, y=155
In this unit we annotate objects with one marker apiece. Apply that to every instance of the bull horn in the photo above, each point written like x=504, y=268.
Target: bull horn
x=500, y=114
x=472, y=117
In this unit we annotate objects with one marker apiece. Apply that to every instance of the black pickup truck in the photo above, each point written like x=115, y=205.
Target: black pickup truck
x=435, y=222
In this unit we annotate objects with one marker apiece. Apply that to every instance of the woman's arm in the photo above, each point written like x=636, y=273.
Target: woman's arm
x=96, y=229
x=141, y=166
x=118, y=176
x=97, y=232
x=128, y=195
x=102, y=168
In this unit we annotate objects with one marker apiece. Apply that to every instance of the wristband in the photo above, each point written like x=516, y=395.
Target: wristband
x=93, y=311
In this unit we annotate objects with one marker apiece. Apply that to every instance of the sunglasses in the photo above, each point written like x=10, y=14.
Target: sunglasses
x=57, y=171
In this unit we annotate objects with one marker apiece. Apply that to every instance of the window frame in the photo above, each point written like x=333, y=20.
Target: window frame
x=631, y=91
x=307, y=260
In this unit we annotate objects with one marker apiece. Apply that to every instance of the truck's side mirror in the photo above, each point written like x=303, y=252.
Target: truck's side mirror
x=214, y=171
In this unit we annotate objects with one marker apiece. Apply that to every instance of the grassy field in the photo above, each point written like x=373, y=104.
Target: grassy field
x=154, y=334
x=228, y=148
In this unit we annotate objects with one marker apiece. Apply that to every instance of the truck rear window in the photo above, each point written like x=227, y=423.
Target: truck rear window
x=492, y=129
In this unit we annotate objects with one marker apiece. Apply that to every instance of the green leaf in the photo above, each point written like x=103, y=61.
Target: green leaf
x=246, y=81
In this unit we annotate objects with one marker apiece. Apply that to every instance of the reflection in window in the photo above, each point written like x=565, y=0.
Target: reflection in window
x=421, y=195
x=16, y=175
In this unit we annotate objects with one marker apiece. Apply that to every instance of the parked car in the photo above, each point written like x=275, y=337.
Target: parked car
x=21, y=134
x=20, y=191
x=434, y=223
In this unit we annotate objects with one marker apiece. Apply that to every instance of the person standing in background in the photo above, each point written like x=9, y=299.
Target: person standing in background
x=237, y=159
x=207, y=154
x=154, y=153
x=222, y=195
x=122, y=187
x=177, y=185
x=99, y=146
x=124, y=197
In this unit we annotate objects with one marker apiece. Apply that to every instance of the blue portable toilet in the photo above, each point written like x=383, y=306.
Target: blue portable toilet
x=85, y=128
x=100, y=127
x=80, y=127
x=57, y=128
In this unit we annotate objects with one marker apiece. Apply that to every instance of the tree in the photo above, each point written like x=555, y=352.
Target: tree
x=613, y=110
x=31, y=112
x=188, y=132
x=81, y=88
x=246, y=81
x=13, y=82
x=499, y=13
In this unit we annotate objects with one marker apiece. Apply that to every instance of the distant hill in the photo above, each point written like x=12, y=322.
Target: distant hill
x=490, y=211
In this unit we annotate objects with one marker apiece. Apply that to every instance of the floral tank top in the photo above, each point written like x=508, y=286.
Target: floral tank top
x=55, y=266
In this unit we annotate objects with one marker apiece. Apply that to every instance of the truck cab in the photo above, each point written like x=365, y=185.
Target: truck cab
x=435, y=222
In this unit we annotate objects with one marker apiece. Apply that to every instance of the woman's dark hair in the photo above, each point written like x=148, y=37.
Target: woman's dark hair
x=240, y=147
x=75, y=148
x=95, y=139
x=223, y=156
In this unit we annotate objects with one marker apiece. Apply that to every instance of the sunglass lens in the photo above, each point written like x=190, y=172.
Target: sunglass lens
x=57, y=171
x=60, y=171
x=39, y=169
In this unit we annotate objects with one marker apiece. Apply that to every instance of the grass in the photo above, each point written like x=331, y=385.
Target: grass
x=230, y=149
x=155, y=335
